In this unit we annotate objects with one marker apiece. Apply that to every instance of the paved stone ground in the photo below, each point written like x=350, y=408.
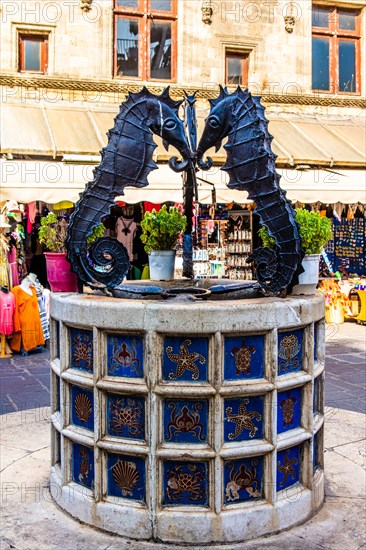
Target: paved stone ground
x=25, y=381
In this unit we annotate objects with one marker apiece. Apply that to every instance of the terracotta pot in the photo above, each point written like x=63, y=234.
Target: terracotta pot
x=59, y=274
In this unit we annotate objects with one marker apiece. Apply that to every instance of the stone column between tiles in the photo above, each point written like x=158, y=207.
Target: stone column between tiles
x=187, y=423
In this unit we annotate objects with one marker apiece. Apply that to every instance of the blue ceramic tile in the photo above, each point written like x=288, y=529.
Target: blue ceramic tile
x=317, y=463
x=288, y=410
x=83, y=465
x=81, y=349
x=82, y=407
x=185, y=421
x=126, y=477
x=125, y=355
x=243, y=418
x=243, y=480
x=126, y=416
x=185, y=359
x=244, y=357
x=288, y=467
x=290, y=351
x=185, y=483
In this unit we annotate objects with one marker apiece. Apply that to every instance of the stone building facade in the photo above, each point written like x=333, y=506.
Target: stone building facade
x=66, y=65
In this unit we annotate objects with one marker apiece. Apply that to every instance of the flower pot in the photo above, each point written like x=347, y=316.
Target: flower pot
x=59, y=274
x=308, y=280
x=161, y=265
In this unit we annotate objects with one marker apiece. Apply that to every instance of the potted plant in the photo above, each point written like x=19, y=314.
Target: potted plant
x=52, y=234
x=160, y=232
x=315, y=231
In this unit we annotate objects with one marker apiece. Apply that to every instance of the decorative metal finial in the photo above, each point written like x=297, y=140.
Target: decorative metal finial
x=85, y=5
x=207, y=12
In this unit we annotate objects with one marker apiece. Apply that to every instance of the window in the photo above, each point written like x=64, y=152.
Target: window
x=237, y=65
x=336, y=50
x=33, y=53
x=145, y=39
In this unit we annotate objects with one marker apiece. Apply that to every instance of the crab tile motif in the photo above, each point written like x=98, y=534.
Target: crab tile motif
x=244, y=357
x=83, y=465
x=126, y=416
x=185, y=359
x=248, y=411
x=82, y=407
x=288, y=467
x=81, y=349
x=126, y=477
x=185, y=483
x=185, y=421
x=289, y=410
x=243, y=479
x=125, y=355
x=290, y=351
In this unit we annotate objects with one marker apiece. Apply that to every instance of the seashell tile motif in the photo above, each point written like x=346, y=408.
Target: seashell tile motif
x=126, y=477
x=82, y=404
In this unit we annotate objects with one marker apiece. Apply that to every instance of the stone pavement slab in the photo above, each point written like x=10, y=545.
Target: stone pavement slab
x=31, y=521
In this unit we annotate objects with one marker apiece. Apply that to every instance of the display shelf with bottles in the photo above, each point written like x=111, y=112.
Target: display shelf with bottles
x=239, y=245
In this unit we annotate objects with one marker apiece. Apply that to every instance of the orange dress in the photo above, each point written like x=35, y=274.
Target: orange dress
x=27, y=322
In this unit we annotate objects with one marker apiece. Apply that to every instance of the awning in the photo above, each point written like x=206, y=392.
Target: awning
x=52, y=182
x=58, y=129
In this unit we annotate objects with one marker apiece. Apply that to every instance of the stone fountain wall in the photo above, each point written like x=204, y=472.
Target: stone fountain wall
x=188, y=422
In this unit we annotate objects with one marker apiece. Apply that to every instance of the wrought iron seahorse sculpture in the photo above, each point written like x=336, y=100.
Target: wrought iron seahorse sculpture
x=126, y=161
x=251, y=166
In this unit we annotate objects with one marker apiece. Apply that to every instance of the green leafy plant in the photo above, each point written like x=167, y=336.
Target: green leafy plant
x=97, y=233
x=315, y=231
x=160, y=230
x=52, y=233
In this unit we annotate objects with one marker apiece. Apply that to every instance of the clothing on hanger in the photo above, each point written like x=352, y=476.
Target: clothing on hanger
x=125, y=233
x=7, y=307
x=27, y=322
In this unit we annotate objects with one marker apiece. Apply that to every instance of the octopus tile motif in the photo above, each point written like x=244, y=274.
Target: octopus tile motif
x=125, y=356
x=243, y=418
x=81, y=349
x=290, y=351
x=185, y=359
x=288, y=467
x=185, y=483
x=243, y=357
x=126, y=477
x=288, y=410
x=126, y=416
x=243, y=480
x=82, y=407
x=83, y=465
x=185, y=421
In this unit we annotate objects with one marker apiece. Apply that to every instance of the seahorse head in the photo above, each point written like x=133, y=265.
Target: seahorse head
x=163, y=120
x=219, y=123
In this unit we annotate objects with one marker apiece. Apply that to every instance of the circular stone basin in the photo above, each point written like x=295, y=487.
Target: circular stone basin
x=190, y=423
